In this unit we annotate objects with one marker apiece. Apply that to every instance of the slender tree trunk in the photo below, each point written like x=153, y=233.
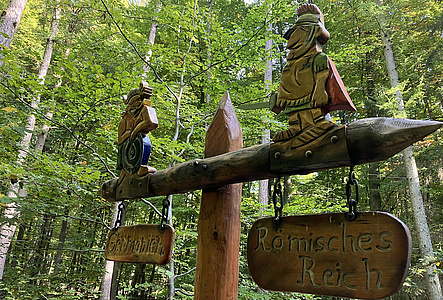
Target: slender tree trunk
x=9, y=23
x=374, y=187
x=13, y=211
x=151, y=39
x=263, y=185
x=108, y=287
x=19, y=246
x=375, y=197
x=61, y=244
x=40, y=250
x=171, y=290
x=178, y=98
x=263, y=194
x=287, y=189
x=424, y=238
x=208, y=63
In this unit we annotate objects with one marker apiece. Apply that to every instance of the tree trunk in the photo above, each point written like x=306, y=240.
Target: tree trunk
x=171, y=280
x=287, y=189
x=208, y=63
x=40, y=249
x=61, y=244
x=13, y=211
x=374, y=187
x=108, y=287
x=151, y=39
x=424, y=238
x=263, y=185
x=263, y=194
x=9, y=23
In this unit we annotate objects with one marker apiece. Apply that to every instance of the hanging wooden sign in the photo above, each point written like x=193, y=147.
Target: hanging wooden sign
x=140, y=244
x=326, y=254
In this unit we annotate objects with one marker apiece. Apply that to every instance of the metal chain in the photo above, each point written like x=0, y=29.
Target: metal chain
x=352, y=203
x=120, y=212
x=275, y=195
x=165, y=210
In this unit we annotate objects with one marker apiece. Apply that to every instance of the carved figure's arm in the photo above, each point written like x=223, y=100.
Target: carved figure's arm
x=123, y=131
x=320, y=69
x=146, y=121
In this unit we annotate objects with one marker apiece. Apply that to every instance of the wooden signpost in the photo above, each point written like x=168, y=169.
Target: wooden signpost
x=367, y=258
x=327, y=254
x=219, y=225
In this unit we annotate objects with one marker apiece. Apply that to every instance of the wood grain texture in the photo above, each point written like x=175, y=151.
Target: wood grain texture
x=140, y=244
x=219, y=221
x=325, y=254
x=359, y=142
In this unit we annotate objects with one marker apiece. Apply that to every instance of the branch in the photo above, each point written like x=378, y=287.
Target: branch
x=84, y=219
x=184, y=293
x=152, y=206
x=194, y=76
x=62, y=126
x=137, y=52
x=77, y=250
x=70, y=217
x=230, y=56
x=183, y=274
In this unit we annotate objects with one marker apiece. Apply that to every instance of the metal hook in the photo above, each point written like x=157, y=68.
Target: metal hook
x=120, y=212
x=278, y=209
x=352, y=203
x=165, y=210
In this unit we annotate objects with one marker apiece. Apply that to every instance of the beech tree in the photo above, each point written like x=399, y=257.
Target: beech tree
x=201, y=49
x=13, y=210
x=424, y=238
x=9, y=22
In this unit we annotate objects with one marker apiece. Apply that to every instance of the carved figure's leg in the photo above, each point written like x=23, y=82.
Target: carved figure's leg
x=314, y=125
x=304, y=127
x=295, y=126
x=144, y=168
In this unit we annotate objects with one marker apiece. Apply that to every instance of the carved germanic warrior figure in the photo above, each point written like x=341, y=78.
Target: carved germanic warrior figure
x=310, y=85
x=138, y=119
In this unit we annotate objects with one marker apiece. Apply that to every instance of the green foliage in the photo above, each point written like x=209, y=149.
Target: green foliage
x=197, y=51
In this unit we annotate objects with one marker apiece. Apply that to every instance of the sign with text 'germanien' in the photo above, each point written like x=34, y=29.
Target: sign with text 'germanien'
x=143, y=243
x=326, y=254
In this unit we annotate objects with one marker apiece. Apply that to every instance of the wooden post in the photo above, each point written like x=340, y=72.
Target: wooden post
x=219, y=222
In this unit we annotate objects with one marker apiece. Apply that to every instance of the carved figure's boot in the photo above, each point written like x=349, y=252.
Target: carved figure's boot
x=295, y=127
x=314, y=125
x=304, y=127
x=143, y=170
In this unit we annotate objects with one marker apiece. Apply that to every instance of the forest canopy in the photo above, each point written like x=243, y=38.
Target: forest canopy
x=59, y=126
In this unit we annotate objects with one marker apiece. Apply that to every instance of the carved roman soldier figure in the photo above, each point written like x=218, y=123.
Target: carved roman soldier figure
x=310, y=86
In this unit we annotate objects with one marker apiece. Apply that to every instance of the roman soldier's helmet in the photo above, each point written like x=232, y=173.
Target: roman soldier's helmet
x=311, y=15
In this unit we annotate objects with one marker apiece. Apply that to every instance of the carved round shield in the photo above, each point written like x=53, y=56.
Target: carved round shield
x=132, y=153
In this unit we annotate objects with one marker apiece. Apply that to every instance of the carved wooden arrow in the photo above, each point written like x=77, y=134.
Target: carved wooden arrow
x=360, y=142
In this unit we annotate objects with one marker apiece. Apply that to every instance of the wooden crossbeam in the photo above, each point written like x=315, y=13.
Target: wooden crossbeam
x=360, y=142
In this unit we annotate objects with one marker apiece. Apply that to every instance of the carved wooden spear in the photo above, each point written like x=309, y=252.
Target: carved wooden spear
x=360, y=142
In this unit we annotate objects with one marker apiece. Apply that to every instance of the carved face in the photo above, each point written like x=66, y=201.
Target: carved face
x=134, y=105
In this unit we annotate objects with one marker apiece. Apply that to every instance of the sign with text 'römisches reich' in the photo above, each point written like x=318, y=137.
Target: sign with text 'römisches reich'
x=140, y=244
x=326, y=254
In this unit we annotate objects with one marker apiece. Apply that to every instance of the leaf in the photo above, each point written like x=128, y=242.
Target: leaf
x=9, y=109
